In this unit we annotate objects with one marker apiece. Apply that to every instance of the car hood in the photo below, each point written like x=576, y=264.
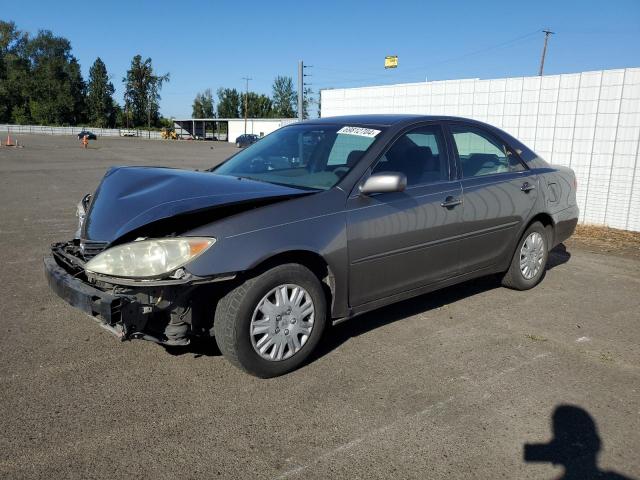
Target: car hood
x=129, y=198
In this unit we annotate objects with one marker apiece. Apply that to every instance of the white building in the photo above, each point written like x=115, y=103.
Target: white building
x=227, y=128
x=589, y=121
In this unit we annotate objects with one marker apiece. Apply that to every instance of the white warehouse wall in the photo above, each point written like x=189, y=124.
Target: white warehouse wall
x=256, y=126
x=589, y=121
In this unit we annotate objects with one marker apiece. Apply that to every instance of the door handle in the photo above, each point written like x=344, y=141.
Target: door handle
x=526, y=187
x=451, y=202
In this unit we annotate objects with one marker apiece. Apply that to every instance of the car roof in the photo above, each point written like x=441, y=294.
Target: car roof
x=384, y=120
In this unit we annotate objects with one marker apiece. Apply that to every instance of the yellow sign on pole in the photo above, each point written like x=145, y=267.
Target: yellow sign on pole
x=391, y=61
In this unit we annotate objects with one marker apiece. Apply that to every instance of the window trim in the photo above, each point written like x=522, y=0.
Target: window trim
x=491, y=135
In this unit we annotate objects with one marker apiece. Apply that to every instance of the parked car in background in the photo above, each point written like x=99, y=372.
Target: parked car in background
x=88, y=134
x=318, y=222
x=128, y=133
x=246, y=139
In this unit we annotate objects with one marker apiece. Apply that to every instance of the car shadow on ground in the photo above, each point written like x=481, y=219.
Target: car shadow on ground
x=339, y=334
x=575, y=446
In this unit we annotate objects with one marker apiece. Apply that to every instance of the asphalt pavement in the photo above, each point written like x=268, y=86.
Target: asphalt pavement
x=452, y=384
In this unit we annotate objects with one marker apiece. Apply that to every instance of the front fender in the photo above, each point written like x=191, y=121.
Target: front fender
x=315, y=224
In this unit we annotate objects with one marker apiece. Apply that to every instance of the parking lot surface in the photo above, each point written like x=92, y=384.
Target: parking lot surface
x=448, y=385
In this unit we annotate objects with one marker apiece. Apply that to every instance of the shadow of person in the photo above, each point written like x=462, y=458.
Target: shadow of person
x=575, y=446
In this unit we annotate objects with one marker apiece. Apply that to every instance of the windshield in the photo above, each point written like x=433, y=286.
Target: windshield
x=307, y=156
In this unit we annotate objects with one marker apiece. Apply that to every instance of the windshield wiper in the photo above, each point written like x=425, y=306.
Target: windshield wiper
x=290, y=185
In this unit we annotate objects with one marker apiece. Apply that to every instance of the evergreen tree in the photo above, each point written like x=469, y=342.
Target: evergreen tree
x=259, y=106
x=100, y=104
x=228, y=103
x=284, y=98
x=203, y=105
x=142, y=92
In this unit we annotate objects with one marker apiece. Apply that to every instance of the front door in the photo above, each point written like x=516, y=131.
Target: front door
x=499, y=192
x=403, y=240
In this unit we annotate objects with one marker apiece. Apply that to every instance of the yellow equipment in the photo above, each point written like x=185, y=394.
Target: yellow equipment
x=169, y=134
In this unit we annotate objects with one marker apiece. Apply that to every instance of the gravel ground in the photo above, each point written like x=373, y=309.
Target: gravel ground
x=449, y=385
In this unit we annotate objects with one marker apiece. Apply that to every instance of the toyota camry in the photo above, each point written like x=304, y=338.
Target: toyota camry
x=316, y=223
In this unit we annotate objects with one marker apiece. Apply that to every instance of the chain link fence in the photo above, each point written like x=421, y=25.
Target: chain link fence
x=101, y=132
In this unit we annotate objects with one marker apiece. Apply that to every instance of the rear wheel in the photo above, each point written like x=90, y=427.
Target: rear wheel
x=269, y=324
x=529, y=260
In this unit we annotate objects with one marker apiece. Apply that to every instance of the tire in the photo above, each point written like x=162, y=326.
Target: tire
x=234, y=326
x=517, y=279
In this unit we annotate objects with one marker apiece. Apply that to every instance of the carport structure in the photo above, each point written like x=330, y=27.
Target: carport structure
x=203, y=128
x=227, y=129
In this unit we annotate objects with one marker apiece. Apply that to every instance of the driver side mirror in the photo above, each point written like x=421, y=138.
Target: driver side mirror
x=384, y=182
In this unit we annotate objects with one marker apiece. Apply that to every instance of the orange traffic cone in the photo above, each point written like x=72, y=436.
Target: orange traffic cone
x=9, y=142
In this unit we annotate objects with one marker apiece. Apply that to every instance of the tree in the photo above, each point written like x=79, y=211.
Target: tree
x=228, y=103
x=196, y=107
x=284, y=98
x=307, y=101
x=100, y=104
x=203, y=105
x=56, y=89
x=14, y=73
x=259, y=106
x=40, y=80
x=142, y=92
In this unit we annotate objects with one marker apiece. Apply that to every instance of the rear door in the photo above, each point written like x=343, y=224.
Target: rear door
x=404, y=240
x=499, y=192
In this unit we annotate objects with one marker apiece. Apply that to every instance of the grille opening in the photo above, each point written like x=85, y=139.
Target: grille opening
x=90, y=248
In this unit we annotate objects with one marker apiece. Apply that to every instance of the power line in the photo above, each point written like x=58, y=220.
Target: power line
x=441, y=62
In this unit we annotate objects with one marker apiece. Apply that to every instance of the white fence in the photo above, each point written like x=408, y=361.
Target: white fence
x=589, y=121
x=101, y=132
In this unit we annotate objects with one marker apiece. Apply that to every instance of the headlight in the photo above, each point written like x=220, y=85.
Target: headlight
x=148, y=258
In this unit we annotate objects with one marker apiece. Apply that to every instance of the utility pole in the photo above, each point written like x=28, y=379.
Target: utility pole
x=300, y=90
x=544, y=50
x=301, y=85
x=246, y=102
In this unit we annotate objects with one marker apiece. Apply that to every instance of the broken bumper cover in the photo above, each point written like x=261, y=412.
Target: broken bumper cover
x=159, y=310
x=112, y=309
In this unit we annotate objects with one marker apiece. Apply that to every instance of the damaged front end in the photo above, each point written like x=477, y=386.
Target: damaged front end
x=128, y=266
x=165, y=311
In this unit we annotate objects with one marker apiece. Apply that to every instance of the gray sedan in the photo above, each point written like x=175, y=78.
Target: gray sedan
x=315, y=224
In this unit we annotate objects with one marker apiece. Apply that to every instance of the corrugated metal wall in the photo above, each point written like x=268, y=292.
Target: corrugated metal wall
x=589, y=121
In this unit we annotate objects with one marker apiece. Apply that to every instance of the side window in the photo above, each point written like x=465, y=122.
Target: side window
x=481, y=154
x=419, y=154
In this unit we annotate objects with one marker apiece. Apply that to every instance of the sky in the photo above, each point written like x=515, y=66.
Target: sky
x=212, y=44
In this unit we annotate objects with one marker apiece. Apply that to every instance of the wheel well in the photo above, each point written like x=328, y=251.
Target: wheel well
x=546, y=220
x=312, y=261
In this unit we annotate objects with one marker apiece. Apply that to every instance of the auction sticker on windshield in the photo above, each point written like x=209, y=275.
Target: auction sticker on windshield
x=360, y=131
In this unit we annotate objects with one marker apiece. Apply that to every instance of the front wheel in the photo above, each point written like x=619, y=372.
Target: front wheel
x=269, y=324
x=529, y=260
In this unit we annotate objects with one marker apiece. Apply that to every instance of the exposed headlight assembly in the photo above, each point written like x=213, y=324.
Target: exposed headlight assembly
x=148, y=258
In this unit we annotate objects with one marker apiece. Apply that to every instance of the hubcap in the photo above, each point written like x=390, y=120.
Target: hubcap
x=532, y=255
x=282, y=322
